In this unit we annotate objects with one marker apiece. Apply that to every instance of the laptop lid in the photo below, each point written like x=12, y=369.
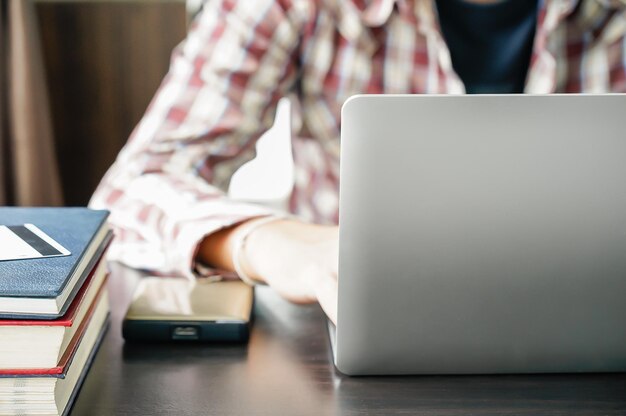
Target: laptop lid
x=482, y=234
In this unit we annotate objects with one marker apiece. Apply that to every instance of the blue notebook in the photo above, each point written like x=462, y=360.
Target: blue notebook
x=43, y=288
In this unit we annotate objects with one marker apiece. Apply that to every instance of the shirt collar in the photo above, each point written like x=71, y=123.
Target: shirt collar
x=355, y=16
x=375, y=13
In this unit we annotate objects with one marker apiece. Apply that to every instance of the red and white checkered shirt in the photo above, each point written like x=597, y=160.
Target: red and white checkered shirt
x=166, y=189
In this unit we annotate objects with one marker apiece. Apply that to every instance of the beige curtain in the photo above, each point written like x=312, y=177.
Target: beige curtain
x=28, y=172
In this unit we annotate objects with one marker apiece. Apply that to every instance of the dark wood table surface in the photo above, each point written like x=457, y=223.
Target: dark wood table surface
x=286, y=369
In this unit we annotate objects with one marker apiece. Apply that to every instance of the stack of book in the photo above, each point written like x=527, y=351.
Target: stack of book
x=53, y=305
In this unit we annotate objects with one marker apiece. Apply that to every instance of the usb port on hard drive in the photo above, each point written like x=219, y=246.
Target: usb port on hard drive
x=186, y=332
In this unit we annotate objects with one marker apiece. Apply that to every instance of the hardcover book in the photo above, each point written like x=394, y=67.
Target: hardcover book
x=45, y=392
x=33, y=345
x=43, y=288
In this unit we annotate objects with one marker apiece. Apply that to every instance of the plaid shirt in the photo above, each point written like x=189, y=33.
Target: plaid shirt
x=165, y=189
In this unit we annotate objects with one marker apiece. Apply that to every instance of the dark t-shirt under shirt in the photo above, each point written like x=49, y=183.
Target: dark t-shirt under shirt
x=490, y=44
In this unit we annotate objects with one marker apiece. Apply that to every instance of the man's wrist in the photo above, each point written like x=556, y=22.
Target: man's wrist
x=216, y=249
x=240, y=255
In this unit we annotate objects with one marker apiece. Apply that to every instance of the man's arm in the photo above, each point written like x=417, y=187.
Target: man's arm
x=165, y=190
x=298, y=260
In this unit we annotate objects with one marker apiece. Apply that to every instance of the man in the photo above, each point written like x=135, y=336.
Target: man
x=165, y=190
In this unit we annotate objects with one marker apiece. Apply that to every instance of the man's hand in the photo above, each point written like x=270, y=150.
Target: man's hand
x=298, y=260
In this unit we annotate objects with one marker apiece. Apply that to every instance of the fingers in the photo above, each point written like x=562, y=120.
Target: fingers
x=326, y=291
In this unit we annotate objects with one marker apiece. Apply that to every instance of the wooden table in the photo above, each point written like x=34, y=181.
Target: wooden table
x=286, y=369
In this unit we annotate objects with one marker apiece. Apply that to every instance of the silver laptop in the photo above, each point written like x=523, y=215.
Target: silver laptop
x=482, y=234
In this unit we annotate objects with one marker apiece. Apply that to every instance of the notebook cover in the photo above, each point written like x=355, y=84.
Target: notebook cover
x=73, y=228
x=68, y=318
x=99, y=253
x=70, y=351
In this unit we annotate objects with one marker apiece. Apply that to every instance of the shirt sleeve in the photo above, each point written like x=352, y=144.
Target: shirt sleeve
x=166, y=188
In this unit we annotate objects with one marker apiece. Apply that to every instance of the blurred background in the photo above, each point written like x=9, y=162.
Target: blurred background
x=76, y=77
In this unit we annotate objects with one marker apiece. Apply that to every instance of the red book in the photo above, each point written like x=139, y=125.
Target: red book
x=36, y=391
x=45, y=347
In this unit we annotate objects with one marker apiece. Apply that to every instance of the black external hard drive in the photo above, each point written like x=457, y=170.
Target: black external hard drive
x=178, y=309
